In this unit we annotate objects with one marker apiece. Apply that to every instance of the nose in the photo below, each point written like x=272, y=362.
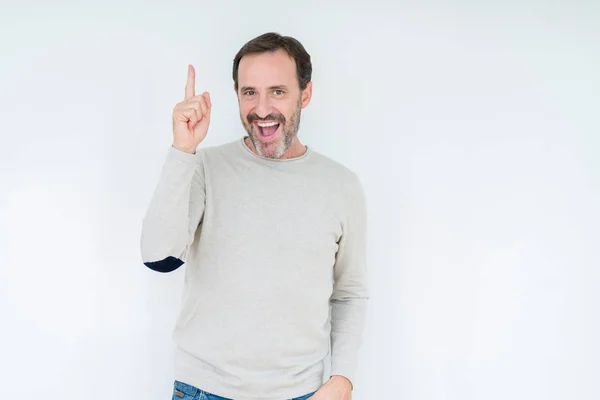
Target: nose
x=263, y=107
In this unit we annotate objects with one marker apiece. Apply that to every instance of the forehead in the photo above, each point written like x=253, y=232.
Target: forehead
x=266, y=69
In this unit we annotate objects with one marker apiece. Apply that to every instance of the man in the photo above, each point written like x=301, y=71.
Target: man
x=273, y=235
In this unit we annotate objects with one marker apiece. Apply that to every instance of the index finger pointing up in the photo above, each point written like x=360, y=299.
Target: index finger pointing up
x=190, y=86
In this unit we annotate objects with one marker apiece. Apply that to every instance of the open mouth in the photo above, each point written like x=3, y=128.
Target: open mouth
x=267, y=130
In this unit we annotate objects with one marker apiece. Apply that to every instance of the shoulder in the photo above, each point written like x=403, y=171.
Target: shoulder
x=335, y=171
x=345, y=186
x=218, y=152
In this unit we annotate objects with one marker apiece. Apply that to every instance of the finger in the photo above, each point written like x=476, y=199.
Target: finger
x=190, y=86
x=197, y=107
x=189, y=115
x=183, y=109
x=204, y=96
x=207, y=98
x=197, y=110
x=199, y=103
x=204, y=107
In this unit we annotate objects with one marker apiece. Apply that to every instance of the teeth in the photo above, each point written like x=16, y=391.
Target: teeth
x=265, y=124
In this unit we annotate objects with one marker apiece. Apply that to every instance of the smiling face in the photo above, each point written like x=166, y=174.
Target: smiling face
x=270, y=102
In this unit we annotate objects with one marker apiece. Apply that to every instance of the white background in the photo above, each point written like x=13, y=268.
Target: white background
x=474, y=127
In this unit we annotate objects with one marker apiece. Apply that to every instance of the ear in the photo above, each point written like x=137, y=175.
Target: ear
x=307, y=94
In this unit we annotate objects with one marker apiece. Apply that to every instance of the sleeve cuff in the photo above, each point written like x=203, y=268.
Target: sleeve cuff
x=176, y=154
x=345, y=368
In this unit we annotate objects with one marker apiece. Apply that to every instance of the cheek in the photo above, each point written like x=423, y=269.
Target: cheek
x=287, y=108
x=288, y=116
x=244, y=111
x=284, y=110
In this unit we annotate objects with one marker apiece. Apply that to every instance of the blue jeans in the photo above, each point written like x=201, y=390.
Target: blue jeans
x=183, y=391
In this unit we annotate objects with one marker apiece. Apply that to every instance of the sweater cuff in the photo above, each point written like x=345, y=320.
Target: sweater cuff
x=344, y=366
x=176, y=154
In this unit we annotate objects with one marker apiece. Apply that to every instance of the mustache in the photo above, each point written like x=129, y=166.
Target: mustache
x=271, y=117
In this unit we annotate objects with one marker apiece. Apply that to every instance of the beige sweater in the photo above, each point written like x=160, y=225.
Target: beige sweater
x=275, y=274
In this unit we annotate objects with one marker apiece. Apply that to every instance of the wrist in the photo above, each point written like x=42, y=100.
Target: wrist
x=185, y=150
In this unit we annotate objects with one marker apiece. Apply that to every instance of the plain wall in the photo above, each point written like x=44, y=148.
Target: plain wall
x=474, y=127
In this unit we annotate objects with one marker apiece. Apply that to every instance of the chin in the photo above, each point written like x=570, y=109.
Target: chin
x=271, y=149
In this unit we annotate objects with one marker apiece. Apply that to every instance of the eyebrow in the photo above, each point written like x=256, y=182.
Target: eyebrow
x=280, y=87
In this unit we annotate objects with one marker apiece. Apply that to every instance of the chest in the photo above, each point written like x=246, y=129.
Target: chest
x=294, y=213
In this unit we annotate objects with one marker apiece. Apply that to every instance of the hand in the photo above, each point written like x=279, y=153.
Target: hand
x=191, y=117
x=336, y=388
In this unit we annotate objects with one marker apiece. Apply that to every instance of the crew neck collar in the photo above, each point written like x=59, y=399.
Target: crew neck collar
x=242, y=142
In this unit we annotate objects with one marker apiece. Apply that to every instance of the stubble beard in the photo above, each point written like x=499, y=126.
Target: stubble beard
x=277, y=148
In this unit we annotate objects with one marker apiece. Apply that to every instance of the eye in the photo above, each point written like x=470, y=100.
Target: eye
x=278, y=92
x=249, y=93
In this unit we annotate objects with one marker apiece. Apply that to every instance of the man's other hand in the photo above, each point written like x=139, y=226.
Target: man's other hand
x=336, y=388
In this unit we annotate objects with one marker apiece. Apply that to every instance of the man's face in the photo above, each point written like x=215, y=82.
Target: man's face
x=270, y=101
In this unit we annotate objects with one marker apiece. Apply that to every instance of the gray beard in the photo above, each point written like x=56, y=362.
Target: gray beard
x=289, y=132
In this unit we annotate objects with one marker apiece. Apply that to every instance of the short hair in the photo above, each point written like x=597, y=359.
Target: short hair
x=271, y=42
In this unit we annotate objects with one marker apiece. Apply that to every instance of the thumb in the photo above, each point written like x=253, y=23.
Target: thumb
x=206, y=97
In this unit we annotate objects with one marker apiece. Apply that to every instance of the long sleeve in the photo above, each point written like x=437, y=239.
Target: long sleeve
x=174, y=212
x=350, y=290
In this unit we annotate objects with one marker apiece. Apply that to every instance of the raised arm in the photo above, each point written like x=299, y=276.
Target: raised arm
x=177, y=205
